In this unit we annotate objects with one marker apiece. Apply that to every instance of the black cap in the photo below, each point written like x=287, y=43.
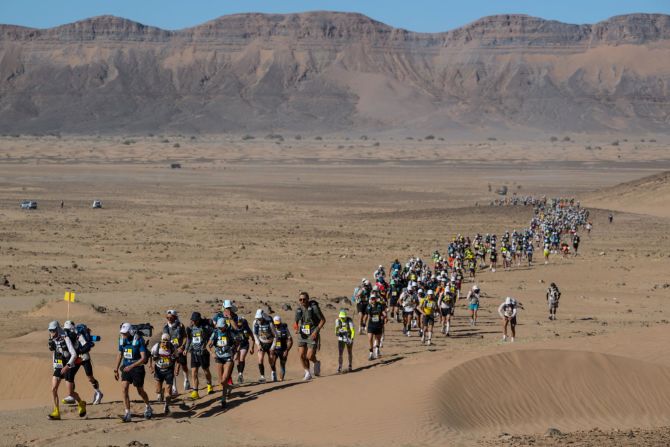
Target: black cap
x=195, y=316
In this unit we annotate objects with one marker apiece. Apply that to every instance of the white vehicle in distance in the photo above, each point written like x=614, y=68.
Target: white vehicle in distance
x=29, y=205
x=96, y=204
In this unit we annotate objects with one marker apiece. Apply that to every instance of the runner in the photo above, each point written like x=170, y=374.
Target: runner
x=308, y=323
x=473, y=304
x=345, y=333
x=494, y=258
x=362, y=299
x=446, y=302
x=575, y=242
x=243, y=335
x=177, y=333
x=376, y=319
x=222, y=343
x=199, y=332
x=553, y=295
x=409, y=302
x=131, y=357
x=162, y=363
x=282, y=345
x=265, y=335
x=508, y=311
x=81, y=338
x=394, y=294
x=428, y=307
x=65, y=368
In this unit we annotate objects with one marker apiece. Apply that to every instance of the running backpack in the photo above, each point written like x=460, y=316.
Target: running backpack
x=83, y=331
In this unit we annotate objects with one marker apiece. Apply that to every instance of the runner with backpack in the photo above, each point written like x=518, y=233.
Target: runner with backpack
x=376, y=312
x=309, y=321
x=282, y=345
x=199, y=332
x=65, y=368
x=508, y=311
x=177, y=333
x=222, y=344
x=265, y=335
x=162, y=362
x=83, y=342
x=131, y=359
x=553, y=295
x=345, y=333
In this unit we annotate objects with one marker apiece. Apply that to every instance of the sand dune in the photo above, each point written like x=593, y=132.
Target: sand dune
x=648, y=195
x=531, y=390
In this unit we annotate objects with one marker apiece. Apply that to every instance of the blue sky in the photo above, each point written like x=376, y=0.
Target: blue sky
x=416, y=15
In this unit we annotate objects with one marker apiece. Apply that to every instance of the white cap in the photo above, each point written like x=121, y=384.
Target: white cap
x=125, y=328
x=227, y=304
x=430, y=292
x=508, y=300
x=69, y=325
x=277, y=319
x=165, y=337
x=171, y=312
x=381, y=266
x=53, y=326
x=259, y=314
x=475, y=287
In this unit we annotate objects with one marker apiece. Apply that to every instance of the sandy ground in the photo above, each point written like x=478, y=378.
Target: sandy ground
x=320, y=217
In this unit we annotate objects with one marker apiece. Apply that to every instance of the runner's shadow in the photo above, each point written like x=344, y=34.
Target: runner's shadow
x=380, y=363
x=471, y=334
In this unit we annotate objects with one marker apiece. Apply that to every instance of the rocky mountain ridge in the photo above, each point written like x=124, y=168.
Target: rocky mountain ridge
x=326, y=71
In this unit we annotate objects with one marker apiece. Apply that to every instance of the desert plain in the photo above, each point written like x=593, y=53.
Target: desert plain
x=257, y=219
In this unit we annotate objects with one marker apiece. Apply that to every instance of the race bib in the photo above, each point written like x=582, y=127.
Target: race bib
x=429, y=304
x=375, y=318
x=197, y=340
x=278, y=343
x=58, y=364
x=394, y=293
x=306, y=329
x=175, y=341
x=128, y=353
x=223, y=341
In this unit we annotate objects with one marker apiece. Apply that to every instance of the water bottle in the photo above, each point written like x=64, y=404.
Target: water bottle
x=95, y=337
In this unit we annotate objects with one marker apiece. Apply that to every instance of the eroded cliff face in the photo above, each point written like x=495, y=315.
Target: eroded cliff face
x=326, y=71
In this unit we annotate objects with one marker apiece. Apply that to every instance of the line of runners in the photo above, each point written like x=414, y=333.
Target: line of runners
x=415, y=295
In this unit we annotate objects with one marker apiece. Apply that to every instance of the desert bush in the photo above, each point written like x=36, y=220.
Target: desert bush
x=553, y=139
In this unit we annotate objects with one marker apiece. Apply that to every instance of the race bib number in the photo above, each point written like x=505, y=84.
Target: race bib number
x=394, y=293
x=306, y=329
x=375, y=318
x=278, y=343
x=197, y=340
x=223, y=341
x=128, y=354
x=58, y=364
x=429, y=304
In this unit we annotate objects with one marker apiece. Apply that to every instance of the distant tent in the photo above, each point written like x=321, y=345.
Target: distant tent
x=502, y=190
x=175, y=166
